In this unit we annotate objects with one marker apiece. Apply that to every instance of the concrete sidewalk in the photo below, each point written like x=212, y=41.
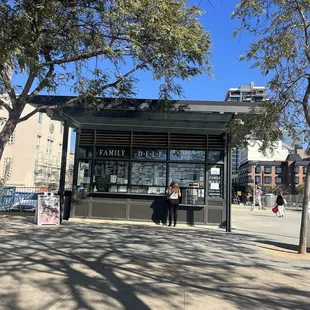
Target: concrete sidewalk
x=109, y=266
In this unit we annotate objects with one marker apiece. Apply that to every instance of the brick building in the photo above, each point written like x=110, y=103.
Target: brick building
x=282, y=174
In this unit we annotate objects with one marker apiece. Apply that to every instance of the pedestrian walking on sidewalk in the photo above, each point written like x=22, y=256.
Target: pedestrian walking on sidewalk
x=280, y=204
x=173, y=194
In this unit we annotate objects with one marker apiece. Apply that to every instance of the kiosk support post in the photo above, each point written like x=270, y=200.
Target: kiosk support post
x=63, y=167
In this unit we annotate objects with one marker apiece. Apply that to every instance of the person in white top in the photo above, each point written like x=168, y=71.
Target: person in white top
x=173, y=194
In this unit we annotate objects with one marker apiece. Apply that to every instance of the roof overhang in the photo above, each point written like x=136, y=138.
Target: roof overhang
x=142, y=114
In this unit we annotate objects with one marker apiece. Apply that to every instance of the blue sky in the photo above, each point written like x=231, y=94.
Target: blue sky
x=227, y=69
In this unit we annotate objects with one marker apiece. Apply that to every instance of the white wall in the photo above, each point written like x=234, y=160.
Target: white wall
x=253, y=154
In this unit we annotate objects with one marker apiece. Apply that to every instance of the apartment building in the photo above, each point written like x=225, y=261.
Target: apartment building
x=248, y=93
x=32, y=157
x=285, y=174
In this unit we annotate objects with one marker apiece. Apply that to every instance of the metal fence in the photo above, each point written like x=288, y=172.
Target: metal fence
x=20, y=199
x=294, y=201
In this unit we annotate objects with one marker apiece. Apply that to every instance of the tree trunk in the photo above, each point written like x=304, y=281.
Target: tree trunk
x=305, y=216
x=7, y=131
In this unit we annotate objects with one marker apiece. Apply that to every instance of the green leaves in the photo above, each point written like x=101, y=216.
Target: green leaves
x=81, y=36
x=280, y=48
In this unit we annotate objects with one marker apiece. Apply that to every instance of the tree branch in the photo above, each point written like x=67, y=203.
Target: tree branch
x=76, y=99
x=5, y=105
x=39, y=109
x=305, y=25
x=44, y=82
x=80, y=57
x=7, y=83
x=121, y=78
x=305, y=103
x=53, y=108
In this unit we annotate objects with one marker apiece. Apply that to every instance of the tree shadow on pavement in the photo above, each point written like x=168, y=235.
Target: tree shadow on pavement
x=113, y=266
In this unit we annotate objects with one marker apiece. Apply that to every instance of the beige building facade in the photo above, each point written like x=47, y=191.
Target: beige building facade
x=32, y=157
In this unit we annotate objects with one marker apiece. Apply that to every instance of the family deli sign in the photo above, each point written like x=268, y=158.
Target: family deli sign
x=103, y=152
x=124, y=153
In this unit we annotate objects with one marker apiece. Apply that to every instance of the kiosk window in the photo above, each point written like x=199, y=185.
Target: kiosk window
x=111, y=176
x=85, y=151
x=215, y=156
x=148, y=177
x=148, y=173
x=84, y=173
x=191, y=178
x=215, y=182
x=187, y=174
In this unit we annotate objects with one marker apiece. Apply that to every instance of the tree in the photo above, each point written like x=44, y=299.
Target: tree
x=281, y=49
x=94, y=47
x=300, y=189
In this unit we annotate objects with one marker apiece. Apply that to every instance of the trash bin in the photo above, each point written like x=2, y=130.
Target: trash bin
x=67, y=205
x=270, y=200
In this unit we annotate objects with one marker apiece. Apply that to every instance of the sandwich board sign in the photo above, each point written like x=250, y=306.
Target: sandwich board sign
x=48, y=209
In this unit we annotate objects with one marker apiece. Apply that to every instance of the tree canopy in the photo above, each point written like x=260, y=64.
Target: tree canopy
x=94, y=47
x=281, y=49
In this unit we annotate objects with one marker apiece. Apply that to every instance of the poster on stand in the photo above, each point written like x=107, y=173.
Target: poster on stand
x=48, y=210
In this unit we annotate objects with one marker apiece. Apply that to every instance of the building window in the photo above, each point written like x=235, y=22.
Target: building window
x=49, y=147
x=257, y=180
x=296, y=180
x=279, y=180
x=249, y=169
x=304, y=170
x=12, y=139
x=267, y=170
x=279, y=170
x=257, y=169
x=267, y=180
x=234, y=99
x=38, y=144
x=40, y=117
x=61, y=127
x=296, y=170
x=304, y=179
x=7, y=169
x=250, y=180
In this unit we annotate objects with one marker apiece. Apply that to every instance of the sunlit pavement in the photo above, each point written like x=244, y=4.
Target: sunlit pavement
x=126, y=266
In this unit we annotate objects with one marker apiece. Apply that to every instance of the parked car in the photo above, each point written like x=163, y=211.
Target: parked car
x=28, y=203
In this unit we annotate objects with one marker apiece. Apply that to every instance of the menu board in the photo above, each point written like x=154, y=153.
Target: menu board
x=187, y=174
x=110, y=173
x=148, y=173
x=215, y=181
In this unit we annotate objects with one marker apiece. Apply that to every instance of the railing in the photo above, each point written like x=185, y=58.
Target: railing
x=294, y=201
x=22, y=199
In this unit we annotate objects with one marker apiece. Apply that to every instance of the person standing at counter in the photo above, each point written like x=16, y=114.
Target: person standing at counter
x=173, y=194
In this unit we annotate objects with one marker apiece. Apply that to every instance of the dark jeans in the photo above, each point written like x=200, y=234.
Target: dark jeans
x=173, y=205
